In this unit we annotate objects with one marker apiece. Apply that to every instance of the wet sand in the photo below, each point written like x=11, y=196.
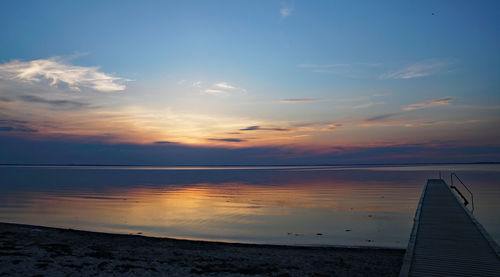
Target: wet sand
x=41, y=251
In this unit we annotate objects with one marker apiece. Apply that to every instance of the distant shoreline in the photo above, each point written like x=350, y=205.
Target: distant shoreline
x=243, y=165
x=46, y=250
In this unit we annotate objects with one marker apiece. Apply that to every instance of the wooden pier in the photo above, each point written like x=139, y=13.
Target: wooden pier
x=447, y=240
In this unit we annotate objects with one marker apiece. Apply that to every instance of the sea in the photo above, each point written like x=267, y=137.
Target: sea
x=355, y=206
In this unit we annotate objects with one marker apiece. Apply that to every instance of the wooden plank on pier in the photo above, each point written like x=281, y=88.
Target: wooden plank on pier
x=447, y=240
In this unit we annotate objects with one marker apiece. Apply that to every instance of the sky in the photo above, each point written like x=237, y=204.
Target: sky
x=249, y=82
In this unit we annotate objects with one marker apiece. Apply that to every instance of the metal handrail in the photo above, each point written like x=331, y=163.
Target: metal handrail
x=470, y=192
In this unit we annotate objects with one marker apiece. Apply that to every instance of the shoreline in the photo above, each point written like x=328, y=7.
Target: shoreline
x=29, y=249
x=340, y=246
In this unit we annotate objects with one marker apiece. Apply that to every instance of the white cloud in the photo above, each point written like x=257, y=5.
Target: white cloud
x=214, y=91
x=417, y=70
x=286, y=10
x=219, y=88
x=431, y=103
x=224, y=85
x=56, y=71
x=223, y=88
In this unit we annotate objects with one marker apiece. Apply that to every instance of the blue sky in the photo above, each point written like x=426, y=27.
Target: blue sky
x=283, y=75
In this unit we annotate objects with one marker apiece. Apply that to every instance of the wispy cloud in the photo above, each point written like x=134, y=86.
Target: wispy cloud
x=20, y=126
x=300, y=100
x=222, y=88
x=333, y=126
x=226, y=139
x=350, y=70
x=16, y=129
x=431, y=103
x=164, y=142
x=286, y=9
x=417, y=70
x=60, y=104
x=257, y=128
x=197, y=84
x=57, y=72
x=367, y=105
x=363, y=106
x=224, y=85
x=382, y=117
x=214, y=91
x=316, y=126
x=430, y=123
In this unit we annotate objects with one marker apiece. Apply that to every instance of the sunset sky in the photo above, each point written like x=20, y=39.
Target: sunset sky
x=249, y=82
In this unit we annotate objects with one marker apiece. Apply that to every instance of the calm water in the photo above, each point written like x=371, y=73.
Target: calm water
x=369, y=206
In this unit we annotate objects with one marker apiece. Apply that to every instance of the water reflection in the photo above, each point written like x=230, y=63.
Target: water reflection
x=313, y=205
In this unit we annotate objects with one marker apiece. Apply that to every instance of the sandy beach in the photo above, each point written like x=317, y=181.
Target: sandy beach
x=41, y=251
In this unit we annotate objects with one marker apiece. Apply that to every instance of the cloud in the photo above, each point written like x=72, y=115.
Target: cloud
x=333, y=126
x=431, y=103
x=224, y=85
x=258, y=128
x=19, y=150
x=214, y=91
x=382, y=117
x=417, y=70
x=430, y=123
x=17, y=129
x=367, y=105
x=164, y=142
x=226, y=139
x=222, y=88
x=316, y=126
x=197, y=84
x=63, y=104
x=300, y=100
x=349, y=70
x=363, y=106
x=56, y=71
x=286, y=10
x=11, y=125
